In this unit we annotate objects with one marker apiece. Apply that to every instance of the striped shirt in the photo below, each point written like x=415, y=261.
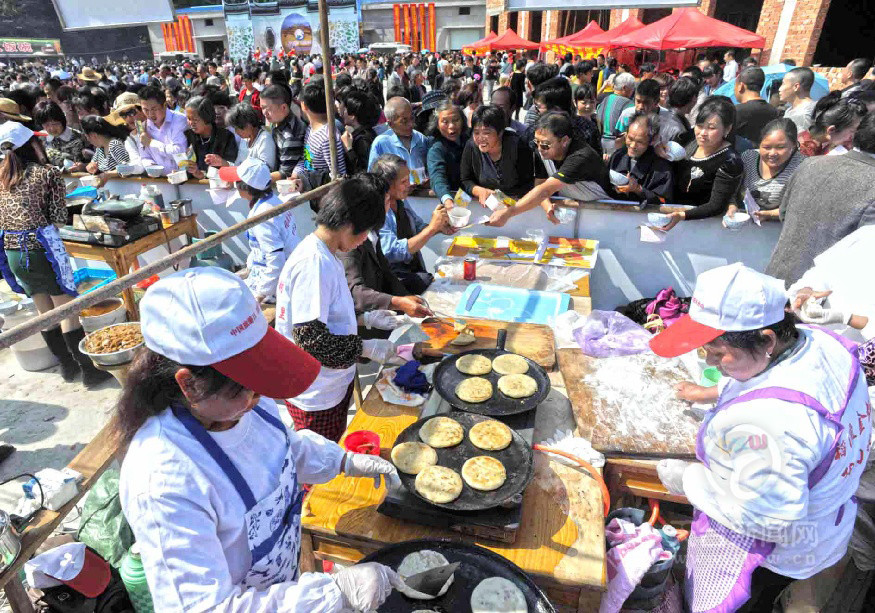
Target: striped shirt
x=117, y=155
x=289, y=138
x=317, y=155
x=767, y=192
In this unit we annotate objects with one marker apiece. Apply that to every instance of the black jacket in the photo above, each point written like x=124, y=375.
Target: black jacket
x=653, y=173
x=357, y=157
x=371, y=281
x=221, y=142
x=515, y=167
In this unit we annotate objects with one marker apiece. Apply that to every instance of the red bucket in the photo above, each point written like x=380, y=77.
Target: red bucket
x=362, y=441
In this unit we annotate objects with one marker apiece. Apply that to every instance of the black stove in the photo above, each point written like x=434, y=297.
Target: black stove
x=131, y=230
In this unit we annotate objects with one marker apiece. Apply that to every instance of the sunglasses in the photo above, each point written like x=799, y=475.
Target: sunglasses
x=128, y=113
x=543, y=146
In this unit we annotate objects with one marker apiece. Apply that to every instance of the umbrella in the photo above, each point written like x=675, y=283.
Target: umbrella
x=775, y=73
x=578, y=39
x=510, y=40
x=479, y=45
x=606, y=39
x=687, y=28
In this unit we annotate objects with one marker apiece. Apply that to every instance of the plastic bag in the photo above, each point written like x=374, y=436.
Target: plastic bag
x=104, y=527
x=608, y=334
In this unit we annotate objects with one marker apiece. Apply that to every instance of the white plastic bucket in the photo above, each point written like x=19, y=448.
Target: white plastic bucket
x=31, y=353
x=119, y=315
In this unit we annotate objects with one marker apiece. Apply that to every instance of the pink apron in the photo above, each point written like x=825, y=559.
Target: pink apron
x=720, y=561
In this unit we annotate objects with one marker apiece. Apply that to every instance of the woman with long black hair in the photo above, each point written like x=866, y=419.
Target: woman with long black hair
x=108, y=140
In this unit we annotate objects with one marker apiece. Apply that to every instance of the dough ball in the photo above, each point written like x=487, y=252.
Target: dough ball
x=412, y=458
x=498, y=595
x=491, y=435
x=441, y=432
x=510, y=364
x=474, y=364
x=474, y=389
x=484, y=473
x=517, y=386
x=438, y=484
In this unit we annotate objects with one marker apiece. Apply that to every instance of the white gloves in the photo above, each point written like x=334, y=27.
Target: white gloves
x=365, y=586
x=379, y=350
x=364, y=465
x=814, y=313
x=671, y=473
x=383, y=319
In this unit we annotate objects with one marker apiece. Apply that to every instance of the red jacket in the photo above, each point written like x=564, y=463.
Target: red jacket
x=255, y=101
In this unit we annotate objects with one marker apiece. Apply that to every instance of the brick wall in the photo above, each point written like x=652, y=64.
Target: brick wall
x=524, y=24
x=493, y=7
x=804, y=32
x=709, y=6
x=833, y=74
x=617, y=16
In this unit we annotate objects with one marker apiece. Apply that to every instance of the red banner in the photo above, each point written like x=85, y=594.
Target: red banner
x=432, y=28
x=406, y=9
x=396, y=21
x=423, y=37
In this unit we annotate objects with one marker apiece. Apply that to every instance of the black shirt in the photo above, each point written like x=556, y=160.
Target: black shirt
x=512, y=174
x=220, y=142
x=751, y=117
x=357, y=156
x=581, y=165
x=708, y=183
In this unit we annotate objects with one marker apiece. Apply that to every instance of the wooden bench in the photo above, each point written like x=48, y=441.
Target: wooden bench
x=90, y=462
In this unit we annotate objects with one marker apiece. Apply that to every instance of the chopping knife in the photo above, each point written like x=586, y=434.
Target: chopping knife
x=430, y=582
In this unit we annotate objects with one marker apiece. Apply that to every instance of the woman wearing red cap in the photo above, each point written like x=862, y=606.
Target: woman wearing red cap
x=781, y=454
x=211, y=482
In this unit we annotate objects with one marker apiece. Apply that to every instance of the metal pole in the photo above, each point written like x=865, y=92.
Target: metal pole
x=329, y=85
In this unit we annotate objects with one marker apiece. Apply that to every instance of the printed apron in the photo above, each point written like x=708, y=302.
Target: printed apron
x=50, y=239
x=720, y=561
x=273, y=524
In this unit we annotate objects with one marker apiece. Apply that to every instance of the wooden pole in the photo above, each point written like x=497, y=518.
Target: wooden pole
x=329, y=85
x=55, y=316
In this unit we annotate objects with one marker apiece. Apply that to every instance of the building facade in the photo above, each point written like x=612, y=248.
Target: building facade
x=457, y=23
x=809, y=32
x=209, y=34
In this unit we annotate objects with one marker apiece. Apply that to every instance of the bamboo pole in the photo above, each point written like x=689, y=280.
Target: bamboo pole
x=329, y=85
x=55, y=316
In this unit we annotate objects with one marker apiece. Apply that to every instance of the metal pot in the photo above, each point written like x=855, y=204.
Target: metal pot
x=129, y=208
x=111, y=359
x=185, y=207
x=10, y=541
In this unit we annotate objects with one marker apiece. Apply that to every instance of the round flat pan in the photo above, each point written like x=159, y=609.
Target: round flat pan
x=447, y=377
x=516, y=457
x=476, y=564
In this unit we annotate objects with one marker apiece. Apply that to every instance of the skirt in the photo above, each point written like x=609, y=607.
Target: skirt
x=330, y=423
x=34, y=272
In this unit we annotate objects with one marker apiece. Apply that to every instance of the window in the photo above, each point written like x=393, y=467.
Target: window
x=493, y=24
x=534, y=26
x=513, y=21
x=465, y=10
x=208, y=22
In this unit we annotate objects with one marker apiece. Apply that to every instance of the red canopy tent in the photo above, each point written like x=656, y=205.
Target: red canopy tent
x=687, y=28
x=479, y=45
x=508, y=41
x=606, y=39
x=578, y=39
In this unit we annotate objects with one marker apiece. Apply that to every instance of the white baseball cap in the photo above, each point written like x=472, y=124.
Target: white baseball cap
x=726, y=299
x=15, y=133
x=208, y=317
x=251, y=171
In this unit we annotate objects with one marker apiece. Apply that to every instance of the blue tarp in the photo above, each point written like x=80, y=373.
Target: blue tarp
x=776, y=73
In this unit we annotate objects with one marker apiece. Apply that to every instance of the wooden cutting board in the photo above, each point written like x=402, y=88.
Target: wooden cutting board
x=533, y=341
x=630, y=424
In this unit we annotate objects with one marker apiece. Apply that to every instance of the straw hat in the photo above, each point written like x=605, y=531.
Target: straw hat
x=10, y=110
x=125, y=102
x=89, y=74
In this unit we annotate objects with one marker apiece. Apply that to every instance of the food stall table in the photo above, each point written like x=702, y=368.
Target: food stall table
x=562, y=550
x=120, y=259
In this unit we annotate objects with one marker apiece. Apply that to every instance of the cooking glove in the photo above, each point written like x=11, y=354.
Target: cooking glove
x=383, y=319
x=380, y=350
x=814, y=313
x=364, y=465
x=365, y=586
x=671, y=473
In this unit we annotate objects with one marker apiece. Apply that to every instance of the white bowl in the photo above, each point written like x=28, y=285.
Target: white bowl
x=88, y=181
x=737, y=221
x=285, y=186
x=459, y=216
x=219, y=184
x=177, y=176
x=658, y=220
x=125, y=170
x=155, y=171
x=618, y=178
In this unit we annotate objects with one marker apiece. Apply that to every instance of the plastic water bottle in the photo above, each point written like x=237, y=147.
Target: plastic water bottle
x=134, y=577
x=670, y=540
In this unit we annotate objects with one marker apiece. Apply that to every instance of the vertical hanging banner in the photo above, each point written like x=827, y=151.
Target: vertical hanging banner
x=189, y=38
x=432, y=30
x=423, y=37
x=166, y=37
x=406, y=9
x=396, y=21
x=415, y=29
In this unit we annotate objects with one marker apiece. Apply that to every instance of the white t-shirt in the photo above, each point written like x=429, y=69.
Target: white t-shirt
x=189, y=520
x=270, y=245
x=313, y=286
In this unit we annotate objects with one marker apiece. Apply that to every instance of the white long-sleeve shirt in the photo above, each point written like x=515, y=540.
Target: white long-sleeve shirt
x=189, y=520
x=761, y=453
x=167, y=140
x=271, y=243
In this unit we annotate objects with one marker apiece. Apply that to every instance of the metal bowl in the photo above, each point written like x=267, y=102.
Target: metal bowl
x=116, y=357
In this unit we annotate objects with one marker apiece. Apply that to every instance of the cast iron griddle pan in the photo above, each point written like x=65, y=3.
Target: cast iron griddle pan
x=447, y=377
x=516, y=457
x=477, y=564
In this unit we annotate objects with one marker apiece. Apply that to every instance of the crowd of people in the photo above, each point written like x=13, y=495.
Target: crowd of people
x=510, y=132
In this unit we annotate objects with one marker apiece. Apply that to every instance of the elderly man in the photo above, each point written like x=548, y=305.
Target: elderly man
x=612, y=106
x=164, y=136
x=402, y=140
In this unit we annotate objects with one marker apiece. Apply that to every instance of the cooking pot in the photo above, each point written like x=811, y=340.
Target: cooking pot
x=127, y=208
x=10, y=542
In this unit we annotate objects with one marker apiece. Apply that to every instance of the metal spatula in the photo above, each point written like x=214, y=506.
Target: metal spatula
x=431, y=581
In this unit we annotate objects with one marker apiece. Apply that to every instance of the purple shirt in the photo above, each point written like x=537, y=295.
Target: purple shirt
x=166, y=140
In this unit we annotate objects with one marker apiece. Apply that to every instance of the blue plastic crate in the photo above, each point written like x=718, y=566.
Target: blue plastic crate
x=82, y=275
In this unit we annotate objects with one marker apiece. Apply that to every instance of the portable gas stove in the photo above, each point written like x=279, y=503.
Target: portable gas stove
x=115, y=232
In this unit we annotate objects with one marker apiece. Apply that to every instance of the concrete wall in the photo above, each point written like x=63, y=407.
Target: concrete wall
x=627, y=269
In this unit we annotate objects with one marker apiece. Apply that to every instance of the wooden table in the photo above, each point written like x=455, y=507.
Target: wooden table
x=120, y=259
x=561, y=538
x=90, y=462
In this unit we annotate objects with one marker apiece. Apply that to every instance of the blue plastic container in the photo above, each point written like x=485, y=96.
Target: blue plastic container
x=104, y=275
